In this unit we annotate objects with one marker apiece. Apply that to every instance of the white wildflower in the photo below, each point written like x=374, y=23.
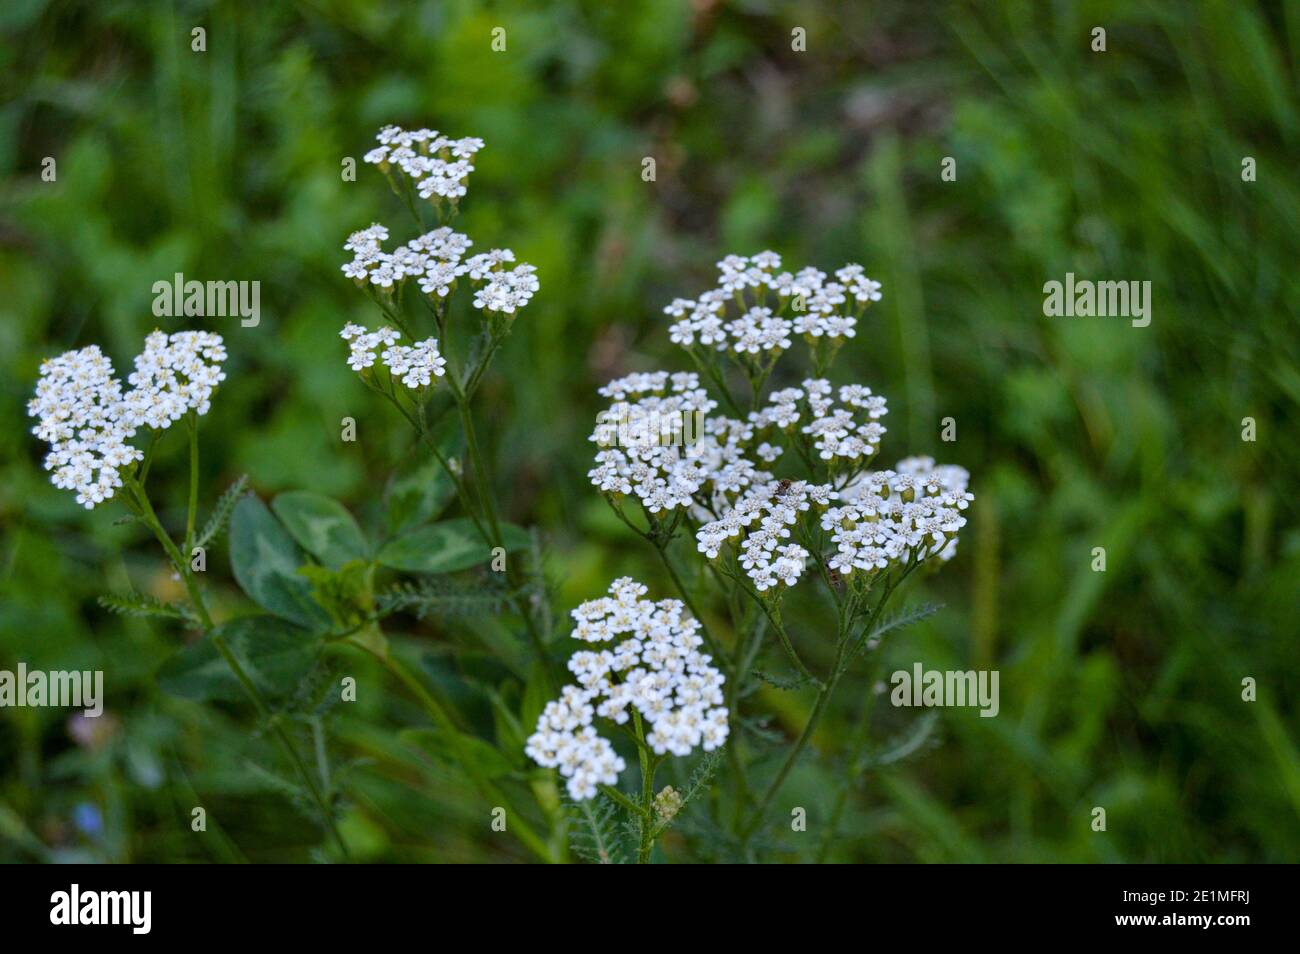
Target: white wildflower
x=88, y=420
x=653, y=666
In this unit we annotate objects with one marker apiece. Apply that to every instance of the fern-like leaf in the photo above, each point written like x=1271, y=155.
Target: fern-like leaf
x=758, y=729
x=696, y=784
x=797, y=681
x=594, y=833
x=222, y=511
x=442, y=597
x=906, y=744
x=141, y=604
x=896, y=621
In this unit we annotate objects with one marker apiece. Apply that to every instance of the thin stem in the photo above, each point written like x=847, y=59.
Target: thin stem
x=444, y=721
x=191, y=513
x=457, y=479
x=472, y=385
x=648, y=766
x=483, y=482
x=716, y=379
x=223, y=648
x=854, y=770
x=613, y=793
x=481, y=478
x=819, y=706
x=774, y=617
x=745, y=656
x=182, y=565
x=845, y=646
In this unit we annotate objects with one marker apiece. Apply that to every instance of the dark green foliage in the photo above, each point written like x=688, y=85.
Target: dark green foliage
x=797, y=681
x=275, y=654
x=899, y=619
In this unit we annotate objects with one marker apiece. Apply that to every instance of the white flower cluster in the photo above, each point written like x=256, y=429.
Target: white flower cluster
x=656, y=668
x=712, y=477
x=416, y=365
x=435, y=164
x=436, y=260
x=87, y=419
x=663, y=471
x=775, y=505
x=652, y=461
x=174, y=374
x=836, y=434
x=816, y=306
x=647, y=450
x=890, y=516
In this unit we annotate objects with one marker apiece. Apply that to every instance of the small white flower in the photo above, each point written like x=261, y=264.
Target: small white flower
x=654, y=666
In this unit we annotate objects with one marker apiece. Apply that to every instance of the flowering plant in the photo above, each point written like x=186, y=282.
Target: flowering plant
x=89, y=420
x=752, y=483
x=763, y=518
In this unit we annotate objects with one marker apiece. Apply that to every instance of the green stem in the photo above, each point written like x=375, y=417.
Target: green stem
x=481, y=478
x=477, y=374
x=218, y=641
x=853, y=772
x=483, y=483
x=745, y=656
x=611, y=792
x=193, y=509
x=444, y=721
x=846, y=644
x=774, y=617
x=648, y=766
x=819, y=706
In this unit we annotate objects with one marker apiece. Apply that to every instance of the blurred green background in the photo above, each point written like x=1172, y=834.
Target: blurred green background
x=1119, y=689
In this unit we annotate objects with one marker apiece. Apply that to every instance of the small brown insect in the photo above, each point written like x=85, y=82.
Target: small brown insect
x=783, y=487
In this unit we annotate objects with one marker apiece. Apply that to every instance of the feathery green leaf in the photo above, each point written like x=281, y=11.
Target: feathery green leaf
x=221, y=512
x=141, y=604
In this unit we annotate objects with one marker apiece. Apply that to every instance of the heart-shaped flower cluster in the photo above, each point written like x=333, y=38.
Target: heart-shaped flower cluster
x=88, y=420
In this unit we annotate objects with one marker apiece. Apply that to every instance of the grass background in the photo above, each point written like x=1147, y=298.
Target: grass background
x=1119, y=689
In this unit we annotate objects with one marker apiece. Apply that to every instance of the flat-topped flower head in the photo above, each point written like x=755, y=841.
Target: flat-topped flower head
x=78, y=403
x=911, y=513
x=173, y=375
x=644, y=656
x=88, y=420
x=755, y=308
x=415, y=366
x=849, y=431
x=437, y=166
x=439, y=260
x=720, y=483
x=438, y=253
